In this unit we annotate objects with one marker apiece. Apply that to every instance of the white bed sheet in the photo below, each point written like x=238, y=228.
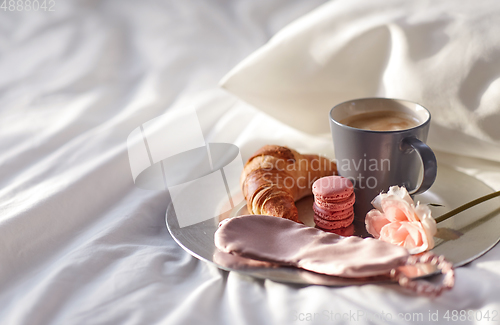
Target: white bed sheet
x=79, y=243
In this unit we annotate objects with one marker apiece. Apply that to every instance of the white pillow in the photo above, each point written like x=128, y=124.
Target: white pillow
x=444, y=55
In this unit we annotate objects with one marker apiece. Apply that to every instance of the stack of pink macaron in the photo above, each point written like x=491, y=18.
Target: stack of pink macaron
x=333, y=204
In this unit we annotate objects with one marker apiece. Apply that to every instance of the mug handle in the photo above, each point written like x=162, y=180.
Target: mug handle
x=428, y=161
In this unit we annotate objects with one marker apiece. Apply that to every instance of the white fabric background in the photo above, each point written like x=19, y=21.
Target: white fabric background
x=445, y=56
x=79, y=244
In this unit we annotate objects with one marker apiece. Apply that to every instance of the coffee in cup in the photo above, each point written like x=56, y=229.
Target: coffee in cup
x=380, y=142
x=381, y=121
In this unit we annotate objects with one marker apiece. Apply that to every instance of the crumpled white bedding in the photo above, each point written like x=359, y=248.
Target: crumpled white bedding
x=80, y=244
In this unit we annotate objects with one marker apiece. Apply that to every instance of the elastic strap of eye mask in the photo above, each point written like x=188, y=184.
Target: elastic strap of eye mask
x=425, y=287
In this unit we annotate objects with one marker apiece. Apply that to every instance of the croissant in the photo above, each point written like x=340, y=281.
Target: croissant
x=275, y=177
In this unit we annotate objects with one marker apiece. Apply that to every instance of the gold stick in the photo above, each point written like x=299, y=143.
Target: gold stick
x=466, y=206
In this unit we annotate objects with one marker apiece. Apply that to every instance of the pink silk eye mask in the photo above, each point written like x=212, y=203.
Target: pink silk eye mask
x=286, y=242
x=283, y=242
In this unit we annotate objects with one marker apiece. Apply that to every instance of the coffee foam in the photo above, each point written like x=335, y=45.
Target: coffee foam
x=382, y=121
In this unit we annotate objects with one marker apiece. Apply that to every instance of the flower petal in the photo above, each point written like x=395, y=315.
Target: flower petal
x=401, y=193
x=398, y=210
x=393, y=233
x=376, y=202
x=374, y=222
x=417, y=241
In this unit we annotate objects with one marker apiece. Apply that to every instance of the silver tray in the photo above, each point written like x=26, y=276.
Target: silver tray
x=477, y=230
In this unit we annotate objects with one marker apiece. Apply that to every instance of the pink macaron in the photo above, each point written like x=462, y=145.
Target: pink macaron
x=333, y=224
x=336, y=205
x=333, y=202
x=332, y=214
x=332, y=188
x=344, y=231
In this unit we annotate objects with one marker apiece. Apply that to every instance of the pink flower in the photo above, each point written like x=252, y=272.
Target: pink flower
x=398, y=221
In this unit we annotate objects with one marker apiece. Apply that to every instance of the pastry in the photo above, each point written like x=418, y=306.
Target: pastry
x=333, y=202
x=275, y=177
x=344, y=231
x=336, y=205
x=332, y=214
x=332, y=189
x=333, y=224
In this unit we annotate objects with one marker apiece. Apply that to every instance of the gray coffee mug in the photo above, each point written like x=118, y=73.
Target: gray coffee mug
x=376, y=160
